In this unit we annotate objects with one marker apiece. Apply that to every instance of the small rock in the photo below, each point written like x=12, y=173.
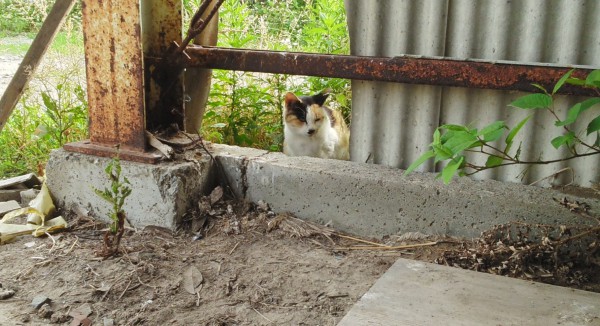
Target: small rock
x=10, y=194
x=84, y=310
x=262, y=206
x=25, y=318
x=45, y=311
x=7, y=206
x=5, y=294
x=28, y=195
x=108, y=321
x=59, y=317
x=39, y=300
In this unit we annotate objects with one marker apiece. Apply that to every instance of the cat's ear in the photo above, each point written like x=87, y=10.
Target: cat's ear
x=321, y=97
x=291, y=99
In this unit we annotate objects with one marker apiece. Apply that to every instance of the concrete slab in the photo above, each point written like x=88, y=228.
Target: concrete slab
x=161, y=194
x=8, y=206
x=375, y=201
x=25, y=181
x=417, y=293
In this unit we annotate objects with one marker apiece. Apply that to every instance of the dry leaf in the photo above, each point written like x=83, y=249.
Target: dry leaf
x=216, y=195
x=192, y=279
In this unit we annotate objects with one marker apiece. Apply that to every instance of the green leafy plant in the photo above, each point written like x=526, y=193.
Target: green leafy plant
x=65, y=110
x=52, y=112
x=450, y=142
x=116, y=194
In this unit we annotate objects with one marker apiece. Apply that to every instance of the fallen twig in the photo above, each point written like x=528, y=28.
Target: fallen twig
x=361, y=240
x=379, y=247
x=234, y=247
x=263, y=316
x=126, y=288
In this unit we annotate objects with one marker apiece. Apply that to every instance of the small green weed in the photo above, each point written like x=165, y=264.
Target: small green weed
x=116, y=194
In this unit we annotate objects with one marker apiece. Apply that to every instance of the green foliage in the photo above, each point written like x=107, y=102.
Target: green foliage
x=450, y=142
x=26, y=16
x=52, y=112
x=116, y=194
x=246, y=108
x=65, y=112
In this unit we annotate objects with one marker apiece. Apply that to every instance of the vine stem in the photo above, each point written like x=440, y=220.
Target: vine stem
x=479, y=168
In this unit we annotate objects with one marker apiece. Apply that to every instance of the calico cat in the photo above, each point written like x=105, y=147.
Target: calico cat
x=312, y=129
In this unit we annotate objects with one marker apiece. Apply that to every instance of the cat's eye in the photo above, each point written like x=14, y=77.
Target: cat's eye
x=317, y=120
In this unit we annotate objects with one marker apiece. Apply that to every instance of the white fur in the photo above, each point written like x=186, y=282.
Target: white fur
x=298, y=142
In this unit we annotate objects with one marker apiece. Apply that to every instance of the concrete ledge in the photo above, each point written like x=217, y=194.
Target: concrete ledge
x=161, y=194
x=373, y=200
x=364, y=199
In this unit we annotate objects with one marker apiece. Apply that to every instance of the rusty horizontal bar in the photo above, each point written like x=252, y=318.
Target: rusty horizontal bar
x=404, y=69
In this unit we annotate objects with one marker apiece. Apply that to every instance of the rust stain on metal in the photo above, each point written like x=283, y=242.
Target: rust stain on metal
x=114, y=77
x=405, y=69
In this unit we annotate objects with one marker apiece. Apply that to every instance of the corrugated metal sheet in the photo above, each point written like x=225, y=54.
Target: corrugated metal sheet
x=392, y=124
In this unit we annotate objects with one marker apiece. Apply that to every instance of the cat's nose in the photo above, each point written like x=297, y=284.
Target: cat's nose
x=311, y=131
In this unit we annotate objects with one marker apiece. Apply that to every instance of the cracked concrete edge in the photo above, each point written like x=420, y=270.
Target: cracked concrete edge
x=161, y=194
x=376, y=201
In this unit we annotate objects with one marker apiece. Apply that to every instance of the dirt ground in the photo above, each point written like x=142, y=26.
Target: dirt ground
x=237, y=273
x=235, y=263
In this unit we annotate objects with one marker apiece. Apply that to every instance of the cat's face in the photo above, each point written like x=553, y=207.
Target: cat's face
x=305, y=115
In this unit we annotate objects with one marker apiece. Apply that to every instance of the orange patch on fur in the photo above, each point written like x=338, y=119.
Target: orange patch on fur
x=317, y=111
x=292, y=120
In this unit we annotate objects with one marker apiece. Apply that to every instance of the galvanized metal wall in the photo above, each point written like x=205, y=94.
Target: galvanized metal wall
x=392, y=124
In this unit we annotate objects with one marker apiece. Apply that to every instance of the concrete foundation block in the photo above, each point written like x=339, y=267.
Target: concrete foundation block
x=374, y=200
x=161, y=194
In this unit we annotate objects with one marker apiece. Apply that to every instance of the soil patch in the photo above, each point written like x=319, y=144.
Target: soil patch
x=256, y=269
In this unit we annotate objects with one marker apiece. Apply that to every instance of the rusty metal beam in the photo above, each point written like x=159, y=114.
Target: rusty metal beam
x=405, y=69
x=114, y=71
x=114, y=52
x=162, y=24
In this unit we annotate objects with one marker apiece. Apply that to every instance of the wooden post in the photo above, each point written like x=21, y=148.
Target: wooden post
x=33, y=57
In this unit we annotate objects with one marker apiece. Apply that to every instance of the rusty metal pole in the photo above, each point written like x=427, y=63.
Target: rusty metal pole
x=114, y=51
x=162, y=28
